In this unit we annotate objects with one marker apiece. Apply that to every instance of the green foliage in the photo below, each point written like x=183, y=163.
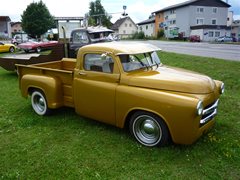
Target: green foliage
x=160, y=33
x=36, y=19
x=68, y=146
x=98, y=15
x=138, y=35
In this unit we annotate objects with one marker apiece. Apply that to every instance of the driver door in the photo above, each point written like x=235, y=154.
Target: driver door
x=95, y=88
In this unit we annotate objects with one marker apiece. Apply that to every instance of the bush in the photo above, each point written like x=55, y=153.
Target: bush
x=160, y=33
x=138, y=35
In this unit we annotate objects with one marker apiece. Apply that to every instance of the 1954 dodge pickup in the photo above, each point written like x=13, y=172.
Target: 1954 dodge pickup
x=126, y=85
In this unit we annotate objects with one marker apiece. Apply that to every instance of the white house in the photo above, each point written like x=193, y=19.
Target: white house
x=206, y=18
x=124, y=27
x=5, y=27
x=147, y=26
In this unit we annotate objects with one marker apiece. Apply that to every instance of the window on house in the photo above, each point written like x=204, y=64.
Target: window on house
x=174, y=21
x=125, y=24
x=200, y=21
x=166, y=17
x=214, y=10
x=200, y=10
x=159, y=16
x=217, y=33
x=130, y=25
x=210, y=34
x=146, y=27
x=214, y=21
x=124, y=32
x=172, y=11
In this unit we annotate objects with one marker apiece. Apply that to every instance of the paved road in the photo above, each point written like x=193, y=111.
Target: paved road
x=221, y=51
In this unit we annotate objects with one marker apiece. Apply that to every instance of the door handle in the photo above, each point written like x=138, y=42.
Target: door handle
x=82, y=73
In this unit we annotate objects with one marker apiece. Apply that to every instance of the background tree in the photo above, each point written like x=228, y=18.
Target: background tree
x=98, y=15
x=36, y=19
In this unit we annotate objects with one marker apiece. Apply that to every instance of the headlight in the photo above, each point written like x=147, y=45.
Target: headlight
x=222, y=88
x=199, y=108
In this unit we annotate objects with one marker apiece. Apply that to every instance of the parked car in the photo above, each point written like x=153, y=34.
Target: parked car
x=224, y=39
x=19, y=38
x=7, y=47
x=194, y=38
x=126, y=85
x=37, y=46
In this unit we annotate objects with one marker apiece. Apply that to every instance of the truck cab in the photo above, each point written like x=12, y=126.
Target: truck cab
x=84, y=36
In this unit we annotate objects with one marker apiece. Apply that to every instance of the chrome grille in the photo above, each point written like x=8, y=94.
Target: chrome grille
x=209, y=113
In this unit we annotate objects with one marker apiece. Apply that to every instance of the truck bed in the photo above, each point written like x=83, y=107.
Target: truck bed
x=8, y=63
x=60, y=70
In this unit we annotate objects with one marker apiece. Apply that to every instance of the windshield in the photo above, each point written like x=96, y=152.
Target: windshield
x=139, y=61
x=100, y=36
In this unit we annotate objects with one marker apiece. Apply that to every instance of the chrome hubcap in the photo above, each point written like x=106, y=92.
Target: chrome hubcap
x=149, y=127
x=39, y=103
x=147, y=130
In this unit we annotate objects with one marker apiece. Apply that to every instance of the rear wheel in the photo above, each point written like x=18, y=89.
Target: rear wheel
x=39, y=103
x=11, y=49
x=148, y=129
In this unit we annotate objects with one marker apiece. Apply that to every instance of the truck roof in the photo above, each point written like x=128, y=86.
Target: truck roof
x=120, y=48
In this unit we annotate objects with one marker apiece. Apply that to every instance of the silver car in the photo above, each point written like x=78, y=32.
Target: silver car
x=224, y=39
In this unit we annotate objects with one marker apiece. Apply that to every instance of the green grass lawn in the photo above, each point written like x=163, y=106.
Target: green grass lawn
x=65, y=145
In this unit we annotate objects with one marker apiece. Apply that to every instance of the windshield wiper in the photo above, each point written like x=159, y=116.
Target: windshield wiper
x=144, y=65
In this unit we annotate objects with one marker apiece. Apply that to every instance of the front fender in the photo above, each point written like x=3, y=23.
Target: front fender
x=51, y=87
x=178, y=111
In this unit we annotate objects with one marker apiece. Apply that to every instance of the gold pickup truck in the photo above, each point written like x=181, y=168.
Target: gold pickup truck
x=126, y=85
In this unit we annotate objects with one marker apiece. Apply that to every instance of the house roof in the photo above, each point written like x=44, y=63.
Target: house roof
x=118, y=23
x=148, y=21
x=14, y=23
x=187, y=3
x=5, y=18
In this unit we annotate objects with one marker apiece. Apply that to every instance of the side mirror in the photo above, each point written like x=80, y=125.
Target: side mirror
x=103, y=56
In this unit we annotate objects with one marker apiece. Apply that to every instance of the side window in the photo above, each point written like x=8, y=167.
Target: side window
x=80, y=37
x=98, y=62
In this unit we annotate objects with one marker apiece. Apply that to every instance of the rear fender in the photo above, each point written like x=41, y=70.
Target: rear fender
x=50, y=86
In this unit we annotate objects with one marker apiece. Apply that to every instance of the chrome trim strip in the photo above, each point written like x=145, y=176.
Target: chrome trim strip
x=214, y=106
x=210, y=112
x=203, y=121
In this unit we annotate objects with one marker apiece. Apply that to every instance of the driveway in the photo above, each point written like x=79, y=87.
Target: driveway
x=221, y=51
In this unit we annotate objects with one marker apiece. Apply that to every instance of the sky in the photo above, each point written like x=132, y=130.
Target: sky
x=138, y=10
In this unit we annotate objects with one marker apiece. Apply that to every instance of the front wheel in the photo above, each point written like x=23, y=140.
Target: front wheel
x=38, y=50
x=39, y=103
x=148, y=129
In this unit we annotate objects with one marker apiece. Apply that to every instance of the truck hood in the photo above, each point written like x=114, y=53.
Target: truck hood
x=173, y=79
